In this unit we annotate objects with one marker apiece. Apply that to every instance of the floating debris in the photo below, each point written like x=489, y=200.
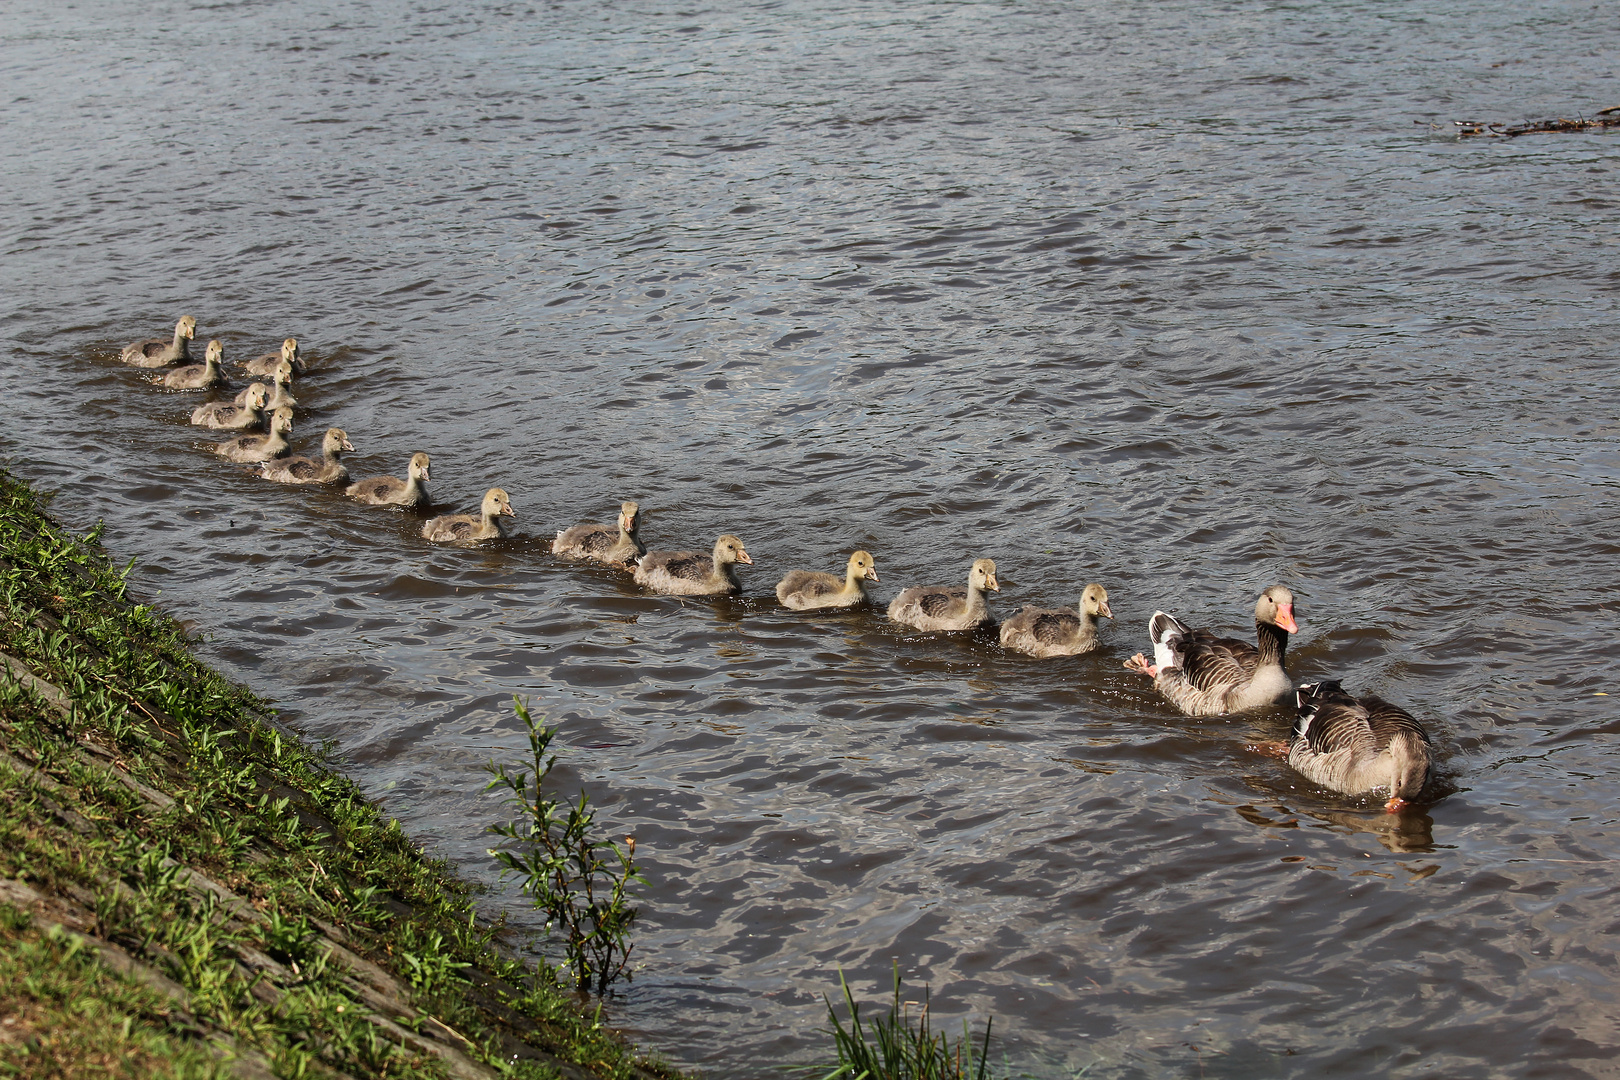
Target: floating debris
x=1603, y=118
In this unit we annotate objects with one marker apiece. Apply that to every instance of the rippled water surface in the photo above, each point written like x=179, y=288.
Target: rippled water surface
x=1177, y=297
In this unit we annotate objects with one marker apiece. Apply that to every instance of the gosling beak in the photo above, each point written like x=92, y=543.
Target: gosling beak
x=1105, y=611
x=1396, y=805
x=347, y=445
x=993, y=585
x=425, y=476
x=1285, y=618
x=507, y=511
x=871, y=573
x=742, y=556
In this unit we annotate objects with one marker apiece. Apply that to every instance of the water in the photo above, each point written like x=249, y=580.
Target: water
x=1176, y=297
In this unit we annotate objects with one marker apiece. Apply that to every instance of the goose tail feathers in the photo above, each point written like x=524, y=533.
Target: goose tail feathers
x=1166, y=632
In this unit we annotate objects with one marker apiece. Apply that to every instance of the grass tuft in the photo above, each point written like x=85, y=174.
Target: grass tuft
x=900, y=1046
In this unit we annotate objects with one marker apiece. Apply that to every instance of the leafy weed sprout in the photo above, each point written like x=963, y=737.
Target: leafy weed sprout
x=579, y=880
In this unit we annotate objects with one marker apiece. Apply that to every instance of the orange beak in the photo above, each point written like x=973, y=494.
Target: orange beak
x=742, y=556
x=1285, y=618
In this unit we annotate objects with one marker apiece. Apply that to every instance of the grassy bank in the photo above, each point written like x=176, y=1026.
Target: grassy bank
x=187, y=890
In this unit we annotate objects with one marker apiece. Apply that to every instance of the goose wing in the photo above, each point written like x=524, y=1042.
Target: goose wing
x=1331, y=721
x=1209, y=661
x=941, y=603
x=810, y=583
x=1055, y=627
x=380, y=487
x=1386, y=721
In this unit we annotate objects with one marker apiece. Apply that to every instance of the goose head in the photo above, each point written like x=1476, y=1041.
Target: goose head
x=281, y=422
x=983, y=576
x=729, y=549
x=629, y=517
x=257, y=395
x=283, y=375
x=186, y=327
x=862, y=567
x=215, y=353
x=497, y=504
x=1094, y=601
x=289, y=350
x=418, y=468
x=1276, y=607
x=336, y=441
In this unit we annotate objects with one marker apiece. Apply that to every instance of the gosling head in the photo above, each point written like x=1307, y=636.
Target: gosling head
x=496, y=503
x=186, y=327
x=729, y=549
x=862, y=566
x=418, y=468
x=1094, y=601
x=983, y=575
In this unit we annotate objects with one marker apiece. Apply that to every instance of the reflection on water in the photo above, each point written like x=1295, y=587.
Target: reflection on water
x=1173, y=298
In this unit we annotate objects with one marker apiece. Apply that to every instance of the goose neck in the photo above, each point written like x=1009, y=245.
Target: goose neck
x=1273, y=643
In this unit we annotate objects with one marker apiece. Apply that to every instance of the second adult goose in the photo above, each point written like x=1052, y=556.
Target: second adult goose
x=224, y=417
x=807, y=590
x=203, y=376
x=948, y=607
x=1203, y=675
x=252, y=448
x=692, y=573
x=280, y=392
x=392, y=491
x=1047, y=632
x=484, y=525
x=302, y=470
x=266, y=365
x=1359, y=745
x=616, y=545
x=161, y=352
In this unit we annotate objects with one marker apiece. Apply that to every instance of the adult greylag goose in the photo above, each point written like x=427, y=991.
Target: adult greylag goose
x=203, y=376
x=161, y=352
x=1047, y=632
x=266, y=365
x=1203, y=675
x=947, y=607
x=302, y=470
x=692, y=573
x=280, y=392
x=616, y=545
x=1359, y=745
x=807, y=590
x=392, y=491
x=251, y=448
x=224, y=417
x=484, y=525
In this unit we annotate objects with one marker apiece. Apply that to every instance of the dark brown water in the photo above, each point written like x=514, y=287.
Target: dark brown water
x=1172, y=296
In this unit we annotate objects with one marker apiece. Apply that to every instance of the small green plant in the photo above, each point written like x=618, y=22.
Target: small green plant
x=894, y=1047
x=579, y=880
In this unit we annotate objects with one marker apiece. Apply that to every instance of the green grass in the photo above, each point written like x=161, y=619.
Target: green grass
x=65, y=1015
x=164, y=785
x=901, y=1045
